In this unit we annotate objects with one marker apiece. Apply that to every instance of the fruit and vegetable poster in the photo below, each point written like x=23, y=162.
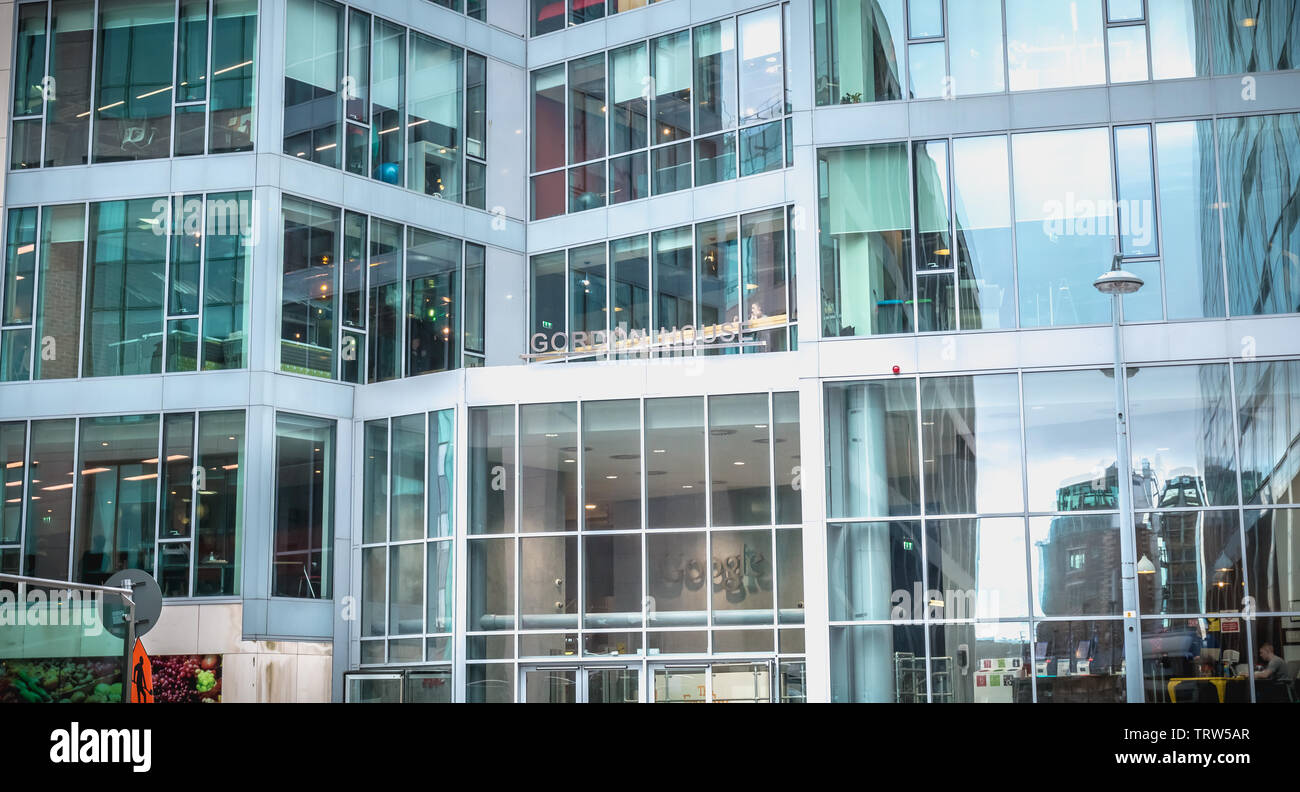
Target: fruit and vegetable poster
x=186, y=679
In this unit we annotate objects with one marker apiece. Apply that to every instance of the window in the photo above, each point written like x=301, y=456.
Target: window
x=303, y=535
x=165, y=282
x=859, y=50
x=720, y=287
x=110, y=468
x=411, y=108
x=406, y=556
x=142, y=109
x=412, y=300
x=549, y=16
x=1055, y=46
x=599, y=106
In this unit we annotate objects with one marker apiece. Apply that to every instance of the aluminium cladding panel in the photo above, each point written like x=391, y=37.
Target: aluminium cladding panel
x=507, y=148
x=506, y=306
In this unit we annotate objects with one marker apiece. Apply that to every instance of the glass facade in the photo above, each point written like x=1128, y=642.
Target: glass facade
x=546, y=16
x=397, y=305
x=633, y=129
x=376, y=99
x=161, y=287
x=167, y=79
x=85, y=498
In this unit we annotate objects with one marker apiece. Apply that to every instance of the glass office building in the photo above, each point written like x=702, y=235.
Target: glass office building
x=662, y=350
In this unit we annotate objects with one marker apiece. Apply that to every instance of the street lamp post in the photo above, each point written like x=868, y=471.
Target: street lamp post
x=1118, y=282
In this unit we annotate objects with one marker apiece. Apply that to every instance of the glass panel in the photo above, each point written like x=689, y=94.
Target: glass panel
x=789, y=580
x=220, y=504
x=762, y=82
x=738, y=460
x=475, y=184
x=930, y=187
x=49, y=502
x=177, y=485
x=1123, y=10
x=429, y=687
x=787, y=464
x=1188, y=220
x=352, y=309
x=304, y=480
x=442, y=473
x=229, y=262
x=671, y=168
x=491, y=584
x=549, y=193
x=475, y=297
x=492, y=470
x=677, y=642
x=717, y=278
x=936, y=303
x=1076, y=563
x=15, y=355
x=975, y=47
x=611, y=644
x=751, y=687
x=192, y=55
x=878, y=664
x=548, y=577
x=858, y=47
x=1180, y=426
x=1128, y=53
x=406, y=591
x=587, y=187
x=1065, y=225
x=742, y=579
x=630, y=262
x=681, y=685
x=234, y=53
x=1253, y=36
x=548, y=303
x=611, y=580
x=760, y=149
x=374, y=498
x=976, y=569
x=1054, y=46
x=1272, y=539
x=980, y=663
x=1137, y=202
x=674, y=444
x=611, y=435
x=927, y=76
x=970, y=431
x=67, y=120
x=866, y=240
x=548, y=16
x=13, y=441
x=715, y=76
x=587, y=308
x=627, y=179
x=677, y=570
x=25, y=148
x=1190, y=562
x=185, y=226
x=1080, y=661
x=406, y=506
x=587, y=108
x=19, y=267
x=871, y=453
x=307, y=310
x=435, y=117
x=125, y=290
x=57, y=336
x=715, y=159
x=1259, y=160
x=1178, y=46
x=313, y=68
x=117, y=496
x=133, y=111
x=476, y=122
x=433, y=266
x=670, y=58
x=548, y=459
x=1070, y=442
x=982, y=209
x=1196, y=661
x=440, y=591
x=549, y=122
x=925, y=18
x=388, y=105
x=613, y=686
x=494, y=683
x=674, y=302
x=384, y=360
x=182, y=345
x=629, y=80
x=1268, y=405
x=374, y=690
x=357, y=88
x=548, y=645
x=551, y=686
x=29, y=62
x=874, y=571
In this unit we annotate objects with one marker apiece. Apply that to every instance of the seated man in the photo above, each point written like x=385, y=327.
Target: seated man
x=1274, y=666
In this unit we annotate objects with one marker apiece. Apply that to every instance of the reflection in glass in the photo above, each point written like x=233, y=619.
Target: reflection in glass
x=1128, y=53
x=313, y=68
x=866, y=225
x=1054, y=45
x=407, y=473
x=611, y=436
x=311, y=242
x=980, y=663
x=871, y=449
x=976, y=568
x=611, y=580
x=671, y=73
x=1194, y=661
x=787, y=458
x=1079, y=661
x=738, y=460
x=742, y=578
x=1268, y=405
x=878, y=663
x=435, y=118
x=117, y=492
x=1272, y=537
x=492, y=470
x=629, y=73
x=762, y=80
x=1070, y=442
x=549, y=467
x=970, y=431
x=715, y=77
x=1189, y=222
x=303, y=533
x=491, y=584
x=1197, y=562
x=1181, y=434
x=630, y=262
x=674, y=443
x=874, y=571
x=548, y=581
x=1076, y=563
x=982, y=214
x=406, y=591
x=858, y=50
x=975, y=47
x=124, y=285
x=678, y=571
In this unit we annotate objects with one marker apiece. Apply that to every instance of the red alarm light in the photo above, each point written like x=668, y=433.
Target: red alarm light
x=897, y=369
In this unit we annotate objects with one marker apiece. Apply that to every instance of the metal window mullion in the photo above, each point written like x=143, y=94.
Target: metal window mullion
x=94, y=84
x=424, y=544
x=1218, y=208
x=175, y=81
x=157, y=504
x=76, y=489
x=771, y=489
x=1015, y=254
x=49, y=45
x=388, y=520
x=1241, y=512
x=85, y=282
x=914, y=217
x=36, y=306
x=25, y=490
x=708, y=525
x=923, y=522
x=1029, y=576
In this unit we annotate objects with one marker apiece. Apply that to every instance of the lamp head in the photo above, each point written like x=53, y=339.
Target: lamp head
x=1118, y=280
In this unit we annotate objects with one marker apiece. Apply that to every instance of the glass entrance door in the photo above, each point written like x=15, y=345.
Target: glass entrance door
x=735, y=683
x=580, y=684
